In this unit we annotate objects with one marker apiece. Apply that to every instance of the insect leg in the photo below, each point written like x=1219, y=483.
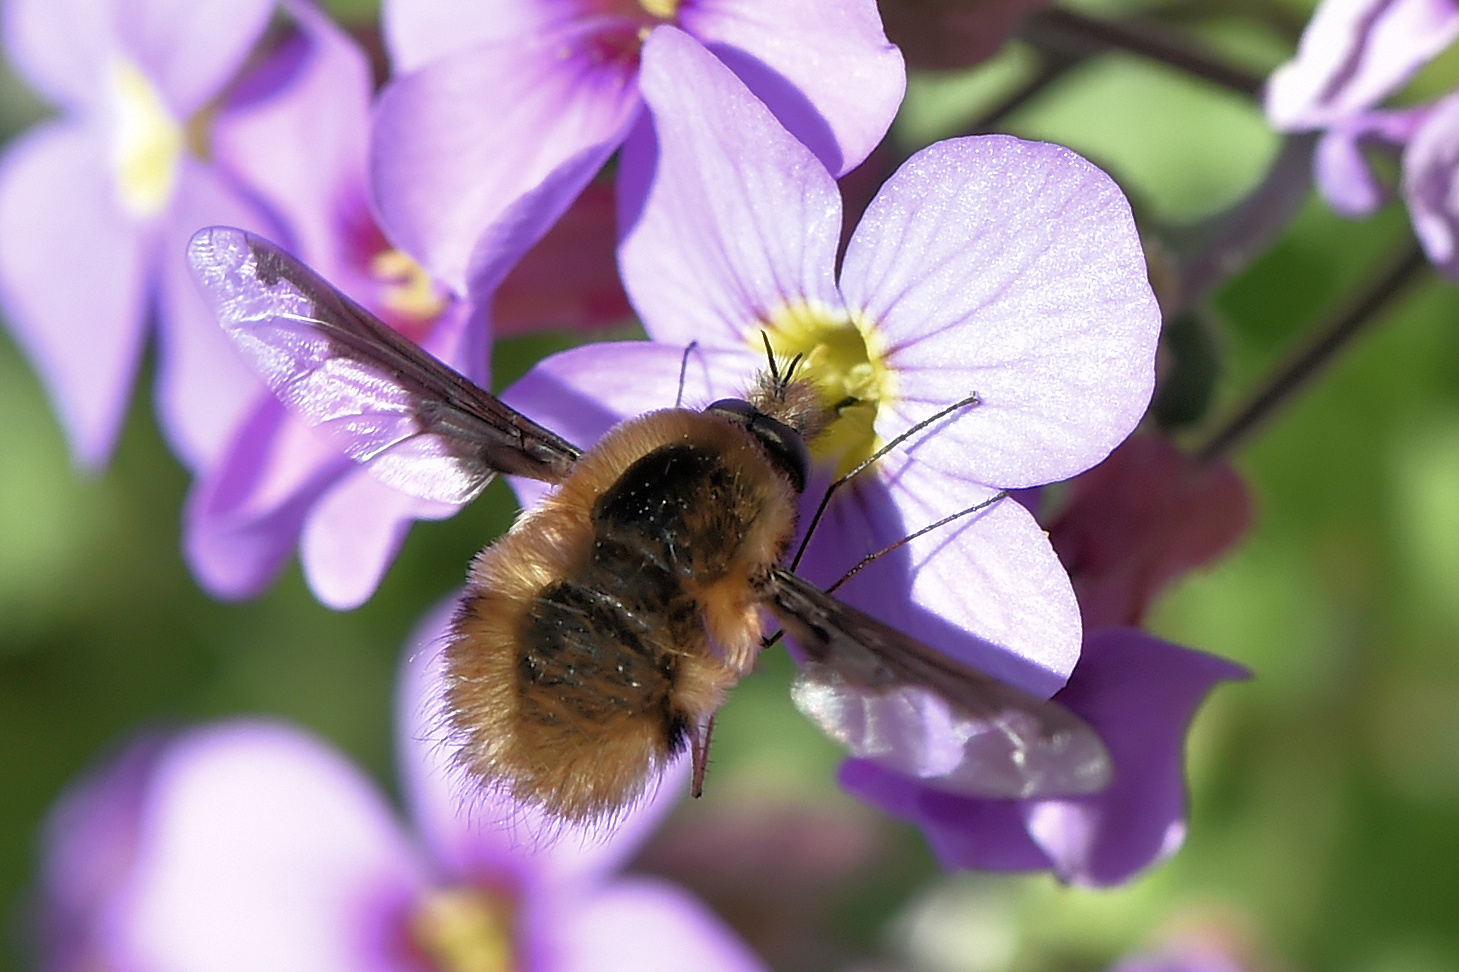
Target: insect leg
x=972, y=399
x=770, y=639
x=684, y=371
x=913, y=536
x=699, y=754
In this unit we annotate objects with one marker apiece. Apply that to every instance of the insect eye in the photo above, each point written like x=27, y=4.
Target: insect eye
x=786, y=448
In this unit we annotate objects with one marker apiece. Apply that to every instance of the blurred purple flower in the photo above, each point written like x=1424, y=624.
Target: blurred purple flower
x=1144, y=517
x=1139, y=693
x=1353, y=55
x=993, y=266
x=495, y=100
x=251, y=845
x=97, y=205
x=1203, y=942
x=279, y=483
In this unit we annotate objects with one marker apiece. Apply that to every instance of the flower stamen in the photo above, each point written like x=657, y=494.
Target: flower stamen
x=411, y=299
x=843, y=359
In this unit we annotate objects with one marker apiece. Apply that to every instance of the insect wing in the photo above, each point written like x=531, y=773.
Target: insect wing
x=908, y=708
x=418, y=425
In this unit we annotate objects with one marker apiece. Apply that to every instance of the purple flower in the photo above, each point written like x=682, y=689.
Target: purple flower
x=278, y=483
x=252, y=845
x=1215, y=942
x=1353, y=55
x=1139, y=693
x=992, y=266
x=96, y=207
x=498, y=99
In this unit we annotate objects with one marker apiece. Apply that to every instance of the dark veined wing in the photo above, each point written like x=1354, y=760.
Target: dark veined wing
x=417, y=424
x=893, y=700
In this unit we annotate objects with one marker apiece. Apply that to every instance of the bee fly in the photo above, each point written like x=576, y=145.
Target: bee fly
x=597, y=638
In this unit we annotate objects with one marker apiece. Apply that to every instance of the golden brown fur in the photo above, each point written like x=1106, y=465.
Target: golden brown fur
x=657, y=614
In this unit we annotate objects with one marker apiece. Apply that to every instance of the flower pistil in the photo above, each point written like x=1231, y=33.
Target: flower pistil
x=464, y=929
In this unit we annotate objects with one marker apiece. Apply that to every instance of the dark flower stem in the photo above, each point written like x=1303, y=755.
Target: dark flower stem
x=1076, y=35
x=1055, y=66
x=1290, y=377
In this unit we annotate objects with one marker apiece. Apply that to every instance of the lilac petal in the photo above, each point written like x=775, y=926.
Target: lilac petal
x=1341, y=171
x=827, y=71
x=962, y=832
x=457, y=142
x=190, y=48
x=303, y=147
x=62, y=48
x=726, y=236
x=524, y=223
x=1012, y=270
x=583, y=392
x=351, y=537
x=74, y=278
x=204, y=388
x=244, y=514
x=264, y=849
x=1140, y=694
x=1431, y=184
x=644, y=925
x=89, y=841
x=420, y=31
x=987, y=590
x=1353, y=54
x=474, y=831
x=1342, y=174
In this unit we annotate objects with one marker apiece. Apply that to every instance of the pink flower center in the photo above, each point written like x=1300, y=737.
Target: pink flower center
x=623, y=26
x=404, y=295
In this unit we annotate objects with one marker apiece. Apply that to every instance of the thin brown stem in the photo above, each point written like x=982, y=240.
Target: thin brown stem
x=1054, y=66
x=1076, y=35
x=1293, y=375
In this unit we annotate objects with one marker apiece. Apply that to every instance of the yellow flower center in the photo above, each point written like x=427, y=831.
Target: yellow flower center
x=662, y=9
x=411, y=299
x=464, y=930
x=844, y=358
x=147, y=142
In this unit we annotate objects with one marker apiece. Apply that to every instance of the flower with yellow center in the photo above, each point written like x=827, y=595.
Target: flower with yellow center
x=147, y=142
x=999, y=273
x=114, y=183
x=495, y=121
x=843, y=361
x=252, y=844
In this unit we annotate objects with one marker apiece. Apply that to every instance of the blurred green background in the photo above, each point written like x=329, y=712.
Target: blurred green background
x=1324, y=829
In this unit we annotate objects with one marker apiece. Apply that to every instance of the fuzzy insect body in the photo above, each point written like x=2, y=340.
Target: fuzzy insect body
x=598, y=637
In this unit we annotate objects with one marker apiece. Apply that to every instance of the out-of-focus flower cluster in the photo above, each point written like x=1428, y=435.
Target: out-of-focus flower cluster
x=251, y=844
x=1353, y=56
